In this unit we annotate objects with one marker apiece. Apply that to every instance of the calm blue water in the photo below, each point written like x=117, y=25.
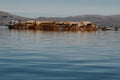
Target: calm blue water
x=37, y=55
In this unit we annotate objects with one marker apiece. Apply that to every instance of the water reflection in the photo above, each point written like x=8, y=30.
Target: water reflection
x=38, y=55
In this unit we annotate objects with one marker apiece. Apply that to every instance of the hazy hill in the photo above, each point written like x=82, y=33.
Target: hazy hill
x=100, y=20
x=6, y=17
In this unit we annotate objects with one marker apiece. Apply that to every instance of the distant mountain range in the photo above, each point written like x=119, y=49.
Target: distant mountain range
x=6, y=17
x=100, y=20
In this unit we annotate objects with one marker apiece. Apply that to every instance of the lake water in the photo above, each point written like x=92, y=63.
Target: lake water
x=37, y=55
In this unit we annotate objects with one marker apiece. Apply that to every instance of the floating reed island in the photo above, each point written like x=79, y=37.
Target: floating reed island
x=54, y=26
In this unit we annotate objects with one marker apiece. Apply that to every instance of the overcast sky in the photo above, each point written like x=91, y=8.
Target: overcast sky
x=35, y=8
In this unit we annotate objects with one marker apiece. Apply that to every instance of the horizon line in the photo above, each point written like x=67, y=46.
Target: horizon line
x=15, y=13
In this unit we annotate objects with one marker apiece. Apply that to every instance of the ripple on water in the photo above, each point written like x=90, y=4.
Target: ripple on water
x=30, y=55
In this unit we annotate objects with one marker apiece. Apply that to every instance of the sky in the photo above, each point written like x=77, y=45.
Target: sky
x=60, y=8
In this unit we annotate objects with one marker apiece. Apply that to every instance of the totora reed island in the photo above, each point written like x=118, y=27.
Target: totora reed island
x=54, y=26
